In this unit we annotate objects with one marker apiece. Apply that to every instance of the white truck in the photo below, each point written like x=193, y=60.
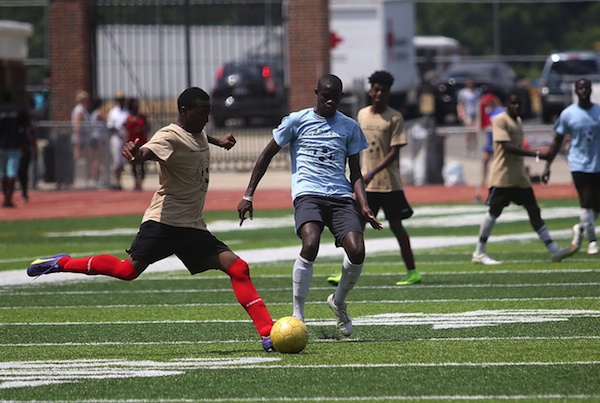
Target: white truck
x=370, y=35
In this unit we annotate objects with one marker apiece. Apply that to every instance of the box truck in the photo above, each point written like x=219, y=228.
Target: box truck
x=370, y=35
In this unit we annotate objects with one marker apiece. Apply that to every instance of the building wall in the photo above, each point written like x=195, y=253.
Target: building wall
x=308, y=49
x=71, y=58
x=70, y=54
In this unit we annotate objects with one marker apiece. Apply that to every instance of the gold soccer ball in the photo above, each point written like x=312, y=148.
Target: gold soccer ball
x=289, y=335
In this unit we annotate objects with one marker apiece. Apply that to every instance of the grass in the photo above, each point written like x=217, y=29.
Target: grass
x=526, y=330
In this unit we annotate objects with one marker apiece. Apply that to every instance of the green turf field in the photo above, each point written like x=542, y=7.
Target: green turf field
x=526, y=330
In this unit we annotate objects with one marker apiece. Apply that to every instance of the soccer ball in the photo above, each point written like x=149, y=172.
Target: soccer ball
x=289, y=335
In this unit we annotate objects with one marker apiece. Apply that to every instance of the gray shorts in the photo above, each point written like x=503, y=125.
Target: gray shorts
x=340, y=215
x=156, y=241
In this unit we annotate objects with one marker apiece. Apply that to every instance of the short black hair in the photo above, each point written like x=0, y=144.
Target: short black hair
x=382, y=77
x=331, y=80
x=190, y=96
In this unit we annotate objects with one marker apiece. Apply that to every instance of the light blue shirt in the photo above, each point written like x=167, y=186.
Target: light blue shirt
x=583, y=125
x=319, y=148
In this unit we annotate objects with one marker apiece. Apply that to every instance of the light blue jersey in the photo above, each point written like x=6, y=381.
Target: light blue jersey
x=319, y=148
x=583, y=125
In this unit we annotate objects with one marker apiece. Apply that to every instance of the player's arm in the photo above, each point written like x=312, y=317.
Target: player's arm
x=358, y=186
x=387, y=160
x=556, y=146
x=133, y=153
x=260, y=167
x=226, y=142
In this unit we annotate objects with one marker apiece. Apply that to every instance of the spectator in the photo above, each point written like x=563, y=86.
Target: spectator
x=466, y=110
x=137, y=128
x=14, y=122
x=81, y=137
x=98, y=174
x=116, y=126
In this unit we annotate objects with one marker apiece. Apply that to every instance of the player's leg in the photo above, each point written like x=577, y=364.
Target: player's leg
x=308, y=217
x=527, y=199
x=347, y=228
x=302, y=270
x=239, y=273
x=150, y=245
x=498, y=198
x=588, y=190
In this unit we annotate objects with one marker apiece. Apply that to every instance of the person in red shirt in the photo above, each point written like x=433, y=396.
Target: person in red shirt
x=137, y=127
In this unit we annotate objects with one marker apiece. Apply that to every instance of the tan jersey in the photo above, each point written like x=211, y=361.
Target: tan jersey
x=383, y=131
x=507, y=169
x=183, y=177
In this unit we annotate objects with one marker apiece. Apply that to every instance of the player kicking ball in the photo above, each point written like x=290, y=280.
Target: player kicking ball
x=173, y=224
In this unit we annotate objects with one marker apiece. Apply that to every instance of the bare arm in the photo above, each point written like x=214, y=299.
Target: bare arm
x=556, y=146
x=262, y=163
x=226, y=142
x=133, y=153
x=387, y=160
x=358, y=186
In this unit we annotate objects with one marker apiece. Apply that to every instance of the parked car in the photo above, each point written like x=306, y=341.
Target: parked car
x=488, y=76
x=558, y=78
x=249, y=89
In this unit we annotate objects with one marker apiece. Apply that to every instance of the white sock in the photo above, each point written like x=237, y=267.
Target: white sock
x=350, y=275
x=587, y=217
x=484, y=232
x=544, y=235
x=301, y=277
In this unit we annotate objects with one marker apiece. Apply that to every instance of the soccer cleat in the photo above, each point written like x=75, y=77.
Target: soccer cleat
x=577, y=237
x=344, y=323
x=335, y=279
x=593, y=248
x=45, y=265
x=267, y=344
x=562, y=253
x=413, y=277
x=482, y=258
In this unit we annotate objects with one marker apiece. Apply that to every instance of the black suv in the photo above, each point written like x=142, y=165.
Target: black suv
x=558, y=79
x=249, y=89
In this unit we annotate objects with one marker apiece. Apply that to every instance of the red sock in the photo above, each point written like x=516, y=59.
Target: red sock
x=107, y=265
x=247, y=296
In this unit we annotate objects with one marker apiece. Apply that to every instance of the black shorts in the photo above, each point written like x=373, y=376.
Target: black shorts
x=588, y=189
x=156, y=241
x=502, y=197
x=394, y=204
x=340, y=215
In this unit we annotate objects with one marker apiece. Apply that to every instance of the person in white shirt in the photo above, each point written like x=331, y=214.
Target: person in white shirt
x=115, y=123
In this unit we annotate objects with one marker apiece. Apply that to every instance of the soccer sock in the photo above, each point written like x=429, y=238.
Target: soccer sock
x=406, y=251
x=246, y=294
x=301, y=277
x=544, y=235
x=587, y=218
x=350, y=274
x=107, y=265
x=484, y=232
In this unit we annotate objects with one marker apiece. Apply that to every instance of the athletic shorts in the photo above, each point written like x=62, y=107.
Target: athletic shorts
x=394, y=204
x=340, y=215
x=9, y=162
x=502, y=197
x=588, y=189
x=156, y=241
x=116, y=148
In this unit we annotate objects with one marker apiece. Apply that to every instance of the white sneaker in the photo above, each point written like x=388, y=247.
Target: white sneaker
x=344, y=323
x=482, y=258
x=577, y=236
x=562, y=253
x=593, y=248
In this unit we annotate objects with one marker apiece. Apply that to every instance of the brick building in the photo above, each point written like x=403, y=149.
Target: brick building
x=71, y=56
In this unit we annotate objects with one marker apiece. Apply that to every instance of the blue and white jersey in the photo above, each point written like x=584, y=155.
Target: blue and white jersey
x=319, y=148
x=583, y=125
